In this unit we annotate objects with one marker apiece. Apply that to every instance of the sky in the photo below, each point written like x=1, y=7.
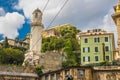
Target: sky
x=16, y=15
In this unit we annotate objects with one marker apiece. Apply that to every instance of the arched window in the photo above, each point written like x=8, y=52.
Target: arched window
x=36, y=15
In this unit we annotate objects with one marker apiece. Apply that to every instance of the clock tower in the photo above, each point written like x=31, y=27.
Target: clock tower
x=32, y=57
x=116, y=18
x=36, y=31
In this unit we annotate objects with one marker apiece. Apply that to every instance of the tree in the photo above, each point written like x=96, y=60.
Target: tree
x=66, y=43
x=59, y=44
x=39, y=70
x=11, y=56
x=5, y=43
x=52, y=43
x=45, y=47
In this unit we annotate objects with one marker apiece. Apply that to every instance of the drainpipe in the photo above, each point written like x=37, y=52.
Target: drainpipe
x=103, y=47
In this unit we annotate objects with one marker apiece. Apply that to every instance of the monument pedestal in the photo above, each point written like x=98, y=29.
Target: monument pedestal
x=32, y=58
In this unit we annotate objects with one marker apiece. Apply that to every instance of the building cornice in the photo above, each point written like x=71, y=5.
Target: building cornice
x=90, y=35
x=36, y=24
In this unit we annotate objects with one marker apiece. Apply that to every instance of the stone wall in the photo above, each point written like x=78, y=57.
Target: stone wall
x=77, y=73
x=15, y=73
x=85, y=73
x=51, y=61
x=11, y=69
x=18, y=76
x=106, y=73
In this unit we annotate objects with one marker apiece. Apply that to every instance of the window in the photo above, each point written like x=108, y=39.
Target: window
x=86, y=59
x=52, y=77
x=46, y=77
x=106, y=48
x=96, y=58
x=67, y=72
x=106, y=39
x=96, y=39
x=58, y=76
x=96, y=49
x=80, y=73
x=86, y=40
x=89, y=59
x=107, y=58
x=36, y=15
x=83, y=59
x=86, y=49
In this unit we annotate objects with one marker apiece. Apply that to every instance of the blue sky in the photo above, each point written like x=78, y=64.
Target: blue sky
x=8, y=6
x=16, y=15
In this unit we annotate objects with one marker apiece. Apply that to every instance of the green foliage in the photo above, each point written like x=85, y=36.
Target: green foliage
x=20, y=48
x=72, y=59
x=5, y=43
x=116, y=62
x=68, y=31
x=68, y=63
x=39, y=70
x=105, y=63
x=70, y=45
x=52, y=43
x=67, y=43
x=67, y=39
x=11, y=56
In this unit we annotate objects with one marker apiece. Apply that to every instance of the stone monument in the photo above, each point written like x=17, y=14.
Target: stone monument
x=32, y=56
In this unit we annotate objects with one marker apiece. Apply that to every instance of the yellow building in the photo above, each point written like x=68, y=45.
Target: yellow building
x=50, y=32
x=54, y=31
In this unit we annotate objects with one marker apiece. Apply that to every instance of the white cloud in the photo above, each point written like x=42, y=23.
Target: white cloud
x=76, y=12
x=108, y=22
x=109, y=25
x=2, y=12
x=85, y=14
x=28, y=6
x=10, y=23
